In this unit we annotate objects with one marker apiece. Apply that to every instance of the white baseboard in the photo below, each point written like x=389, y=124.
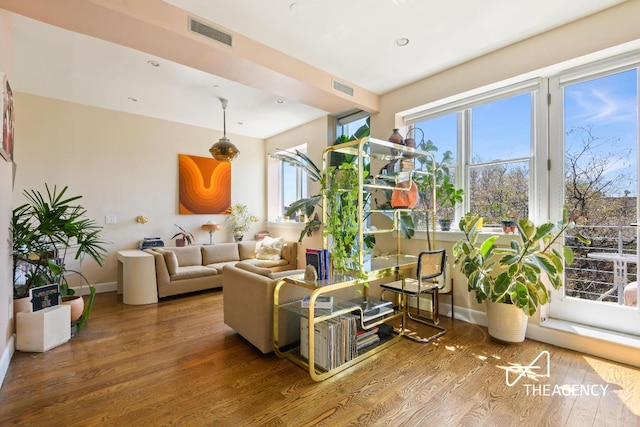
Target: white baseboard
x=7, y=354
x=588, y=340
x=100, y=288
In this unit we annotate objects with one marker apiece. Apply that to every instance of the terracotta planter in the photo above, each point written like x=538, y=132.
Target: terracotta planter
x=507, y=323
x=77, y=305
x=181, y=242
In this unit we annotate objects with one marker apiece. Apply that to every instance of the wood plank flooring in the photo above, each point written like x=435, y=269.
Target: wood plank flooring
x=176, y=363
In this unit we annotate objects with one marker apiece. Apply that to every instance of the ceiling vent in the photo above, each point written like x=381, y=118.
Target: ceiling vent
x=210, y=32
x=341, y=87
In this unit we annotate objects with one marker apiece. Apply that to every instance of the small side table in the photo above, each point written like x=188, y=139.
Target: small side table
x=137, y=277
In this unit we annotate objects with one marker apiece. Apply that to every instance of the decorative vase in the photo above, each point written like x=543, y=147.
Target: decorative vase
x=77, y=305
x=180, y=242
x=405, y=195
x=238, y=237
x=395, y=137
x=507, y=323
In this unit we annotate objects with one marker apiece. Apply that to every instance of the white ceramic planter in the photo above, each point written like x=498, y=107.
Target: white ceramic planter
x=507, y=322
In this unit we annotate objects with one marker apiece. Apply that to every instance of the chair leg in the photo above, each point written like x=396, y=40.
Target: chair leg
x=433, y=322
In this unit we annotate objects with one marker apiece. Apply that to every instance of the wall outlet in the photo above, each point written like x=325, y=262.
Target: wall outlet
x=110, y=219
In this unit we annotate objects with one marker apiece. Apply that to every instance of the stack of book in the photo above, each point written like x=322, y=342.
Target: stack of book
x=322, y=302
x=366, y=338
x=319, y=258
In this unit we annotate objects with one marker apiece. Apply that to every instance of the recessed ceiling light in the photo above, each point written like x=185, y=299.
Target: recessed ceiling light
x=153, y=63
x=240, y=123
x=294, y=6
x=403, y=41
x=216, y=86
x=280, y=101
x=132, y=99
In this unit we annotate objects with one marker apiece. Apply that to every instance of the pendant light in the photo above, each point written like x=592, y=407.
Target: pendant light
x=224, y=150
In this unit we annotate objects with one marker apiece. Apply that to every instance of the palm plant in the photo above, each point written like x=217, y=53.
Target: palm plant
x=43, y=230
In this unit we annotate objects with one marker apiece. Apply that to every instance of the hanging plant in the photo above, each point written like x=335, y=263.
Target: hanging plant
x=342, y=194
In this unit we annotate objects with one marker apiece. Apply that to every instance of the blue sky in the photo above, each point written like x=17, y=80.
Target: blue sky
x=609, y=105
x=502, y=129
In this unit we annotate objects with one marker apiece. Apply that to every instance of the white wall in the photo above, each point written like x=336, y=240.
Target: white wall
x=6, y=265
x=125, y=165
x=316, y=135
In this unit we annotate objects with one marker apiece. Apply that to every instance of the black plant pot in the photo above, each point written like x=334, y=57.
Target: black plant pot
x=445, y=224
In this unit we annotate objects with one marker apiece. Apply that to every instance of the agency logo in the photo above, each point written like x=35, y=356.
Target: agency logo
x=532, y=370
x=540, y=367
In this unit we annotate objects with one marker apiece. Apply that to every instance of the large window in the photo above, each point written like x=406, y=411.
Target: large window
x=293, y=185
x=596, y=127
x=488, y=142
x=500, y=158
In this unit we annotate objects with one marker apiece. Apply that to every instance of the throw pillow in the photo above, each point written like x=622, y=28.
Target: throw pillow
x=172, y=262
x=270, y=248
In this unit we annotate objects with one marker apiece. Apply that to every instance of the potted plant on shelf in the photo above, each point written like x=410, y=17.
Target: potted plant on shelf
x=43, y=230
x=446, y=194
x=447, y=197
x=239, y=220
x=511, y=279
x=183, y=237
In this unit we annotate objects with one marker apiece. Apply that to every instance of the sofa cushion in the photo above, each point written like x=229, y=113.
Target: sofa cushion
x=254, y=268
x=187, y=255
x=193, y=271
x=266, y=263
x=220, y=252
x=269, y=248
x=247, y=249
x=172, y=261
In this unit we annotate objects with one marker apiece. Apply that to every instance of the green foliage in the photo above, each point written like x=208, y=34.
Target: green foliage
x=239, y=219
x=514, y=274
x=447, y=195
x=342, y=194
x=184, y=234
x=43, y=229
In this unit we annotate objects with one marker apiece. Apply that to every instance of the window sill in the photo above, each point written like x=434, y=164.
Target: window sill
x=592, y=332
x=455, y=235
x=286, y=224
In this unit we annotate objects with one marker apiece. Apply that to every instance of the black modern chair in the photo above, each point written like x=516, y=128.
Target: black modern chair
x=431, y=266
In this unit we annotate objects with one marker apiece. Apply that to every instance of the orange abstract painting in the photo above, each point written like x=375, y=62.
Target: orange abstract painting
x=204, y=185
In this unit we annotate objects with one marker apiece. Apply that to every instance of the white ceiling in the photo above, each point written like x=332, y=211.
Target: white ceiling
x=353, y=40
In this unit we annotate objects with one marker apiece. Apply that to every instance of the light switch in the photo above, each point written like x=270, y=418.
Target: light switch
x=110, y=219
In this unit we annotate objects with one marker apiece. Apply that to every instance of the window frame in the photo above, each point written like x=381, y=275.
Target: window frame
x=463, y=107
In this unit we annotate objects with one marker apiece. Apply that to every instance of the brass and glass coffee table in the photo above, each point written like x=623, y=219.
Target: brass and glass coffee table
x=328, y=335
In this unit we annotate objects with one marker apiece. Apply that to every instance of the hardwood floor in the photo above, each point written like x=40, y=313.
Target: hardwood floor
x=177, y=363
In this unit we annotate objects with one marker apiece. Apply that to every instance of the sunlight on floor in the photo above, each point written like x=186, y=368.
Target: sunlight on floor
x=626, y=384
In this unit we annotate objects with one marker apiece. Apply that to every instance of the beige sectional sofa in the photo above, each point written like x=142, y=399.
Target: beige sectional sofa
x=248, y=304
x=198, y=267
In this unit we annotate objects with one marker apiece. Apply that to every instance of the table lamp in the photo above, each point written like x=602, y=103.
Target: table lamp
x=211, y=227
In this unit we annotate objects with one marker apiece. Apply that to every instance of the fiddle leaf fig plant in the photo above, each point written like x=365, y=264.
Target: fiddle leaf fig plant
x=515, y=274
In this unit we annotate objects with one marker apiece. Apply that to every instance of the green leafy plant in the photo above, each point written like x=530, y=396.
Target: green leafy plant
x=438, y=176
x=240, y=219
x=43, y=230
x=306, y=205
x=342, y=194
x=515, y=274
x=185, y=235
